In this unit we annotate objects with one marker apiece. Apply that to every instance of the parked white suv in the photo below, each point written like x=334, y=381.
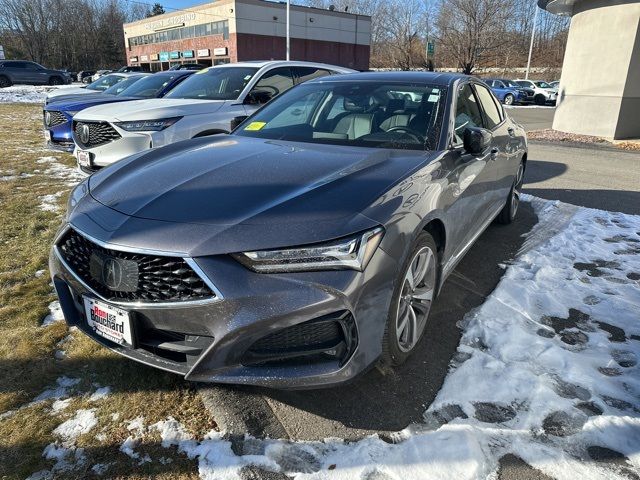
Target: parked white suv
x=543, y=93
x=208, y=102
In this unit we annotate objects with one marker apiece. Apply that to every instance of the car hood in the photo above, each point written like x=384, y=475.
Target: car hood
x=69, y=91
x=151, y=109
x=237, y=193
x=75, y=103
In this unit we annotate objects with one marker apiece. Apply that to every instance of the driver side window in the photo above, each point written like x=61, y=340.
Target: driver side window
x=467, y=112
x=272, y=83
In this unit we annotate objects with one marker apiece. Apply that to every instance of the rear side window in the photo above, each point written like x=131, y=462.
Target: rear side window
x=274, y=82
x=21, y=65
x=309, y=73
x=467, y=112
x=493, y=115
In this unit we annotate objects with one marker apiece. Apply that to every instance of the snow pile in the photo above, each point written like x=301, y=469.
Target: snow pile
x=55, y=314
x=83, y=421
x=49, y=203
x=28, y=93
x=70, y=175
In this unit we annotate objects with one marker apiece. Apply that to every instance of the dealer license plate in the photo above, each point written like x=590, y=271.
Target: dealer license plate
x=84, y=158
x=108, y=321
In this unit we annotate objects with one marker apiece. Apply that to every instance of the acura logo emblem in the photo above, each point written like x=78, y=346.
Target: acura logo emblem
x=47, y=119
x=84, y=134
x=112, y=273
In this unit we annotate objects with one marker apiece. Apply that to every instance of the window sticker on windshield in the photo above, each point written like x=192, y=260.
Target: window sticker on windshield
x=204, y=70
x=254, y=126
x=433, y=98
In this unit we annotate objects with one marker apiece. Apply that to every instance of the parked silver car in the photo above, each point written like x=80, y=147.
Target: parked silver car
x=543, y=93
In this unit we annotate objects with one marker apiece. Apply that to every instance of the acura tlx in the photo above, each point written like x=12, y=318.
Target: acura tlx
x=304, y=246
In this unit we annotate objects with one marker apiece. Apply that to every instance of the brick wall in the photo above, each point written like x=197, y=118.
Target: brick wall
x=262, y=47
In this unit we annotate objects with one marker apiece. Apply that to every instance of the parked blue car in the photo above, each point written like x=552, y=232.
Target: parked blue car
x=508, y=92
x=57, y=116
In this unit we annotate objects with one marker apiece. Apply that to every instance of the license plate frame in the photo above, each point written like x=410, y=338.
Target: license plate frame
x=84, y=158
x=109, y=321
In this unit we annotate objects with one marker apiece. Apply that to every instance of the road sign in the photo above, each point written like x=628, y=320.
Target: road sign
x=431, y=48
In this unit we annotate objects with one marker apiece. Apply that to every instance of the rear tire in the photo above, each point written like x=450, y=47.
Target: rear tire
x=509, y=99
x=53, y=81
x=4, y=82
x=415, y=292
x=540, y=100
x=508, y=213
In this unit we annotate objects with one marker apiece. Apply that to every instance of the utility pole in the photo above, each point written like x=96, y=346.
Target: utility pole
x=288, y=32
x=533, y=34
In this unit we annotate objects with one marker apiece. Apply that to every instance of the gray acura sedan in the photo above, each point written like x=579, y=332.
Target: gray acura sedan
x=301, y=248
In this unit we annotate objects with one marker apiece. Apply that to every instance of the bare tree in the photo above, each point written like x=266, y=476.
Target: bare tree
x=471, y=31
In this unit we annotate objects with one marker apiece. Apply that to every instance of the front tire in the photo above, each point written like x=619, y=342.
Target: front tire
x=508, y=213
x=540, y=100
x=509, y=99
x=54, y=81
x=4, y=82
x=415, y=291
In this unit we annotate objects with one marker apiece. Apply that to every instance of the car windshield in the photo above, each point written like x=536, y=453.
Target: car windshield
x=222, y=83
x=364, y=114
x=543, y=84
x=105, y=82
x=119, y=87
x=149, y=87
x=523, y=83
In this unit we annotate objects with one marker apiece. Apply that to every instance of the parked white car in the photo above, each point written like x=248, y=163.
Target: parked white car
x=101, y=73
x=209, y=102
x=543, y=93
x=99, y=86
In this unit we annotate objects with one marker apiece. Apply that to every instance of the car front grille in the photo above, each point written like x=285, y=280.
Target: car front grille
x=55, y=118
x=141, y=278
x=98, y=133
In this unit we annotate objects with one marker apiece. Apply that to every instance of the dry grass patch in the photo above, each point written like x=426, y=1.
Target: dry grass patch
x=34, y=186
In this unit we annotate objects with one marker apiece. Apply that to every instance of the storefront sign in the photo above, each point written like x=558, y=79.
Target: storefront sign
x=187, y=54
x=144, y=58
x=220, y=51
x=133, y=59
x=175, y=54
x=164, y=56
x=155, y=57
x=172, y=22
x=204, y=52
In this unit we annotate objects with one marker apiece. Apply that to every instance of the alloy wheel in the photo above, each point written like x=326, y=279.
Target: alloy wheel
x=415, y=300
x=508, y=100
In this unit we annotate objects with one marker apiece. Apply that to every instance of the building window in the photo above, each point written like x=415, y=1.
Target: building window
x=202, y=30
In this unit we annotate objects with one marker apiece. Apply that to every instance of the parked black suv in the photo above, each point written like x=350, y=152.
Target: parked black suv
x=30, y=73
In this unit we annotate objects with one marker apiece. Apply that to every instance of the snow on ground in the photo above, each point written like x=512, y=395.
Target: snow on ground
x=49, y=203
x=28, y=93
x=55, y=314
x=546, y=370
x=55, y=169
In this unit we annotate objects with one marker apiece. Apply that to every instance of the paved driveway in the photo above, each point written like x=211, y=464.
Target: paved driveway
x=533, y=118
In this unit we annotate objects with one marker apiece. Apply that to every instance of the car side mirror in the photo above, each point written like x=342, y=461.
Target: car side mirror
x=477, y=140
x=257, y=97
x=235, y=121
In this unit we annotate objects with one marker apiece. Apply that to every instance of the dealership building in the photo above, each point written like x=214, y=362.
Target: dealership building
x=238, y=30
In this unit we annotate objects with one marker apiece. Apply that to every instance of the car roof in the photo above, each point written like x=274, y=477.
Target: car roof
x=434, y=78
x=167, y=73
x=283, y=63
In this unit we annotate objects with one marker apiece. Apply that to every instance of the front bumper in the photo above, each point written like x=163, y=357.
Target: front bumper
x=210, y=341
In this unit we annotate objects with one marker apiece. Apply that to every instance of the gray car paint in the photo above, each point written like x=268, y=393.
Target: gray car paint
x=209, y=197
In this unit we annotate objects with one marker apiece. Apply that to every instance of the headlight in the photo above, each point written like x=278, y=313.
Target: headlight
x=351, y=253
x=76, y=195
x=147, y=125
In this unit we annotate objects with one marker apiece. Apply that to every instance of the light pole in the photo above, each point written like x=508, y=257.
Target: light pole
x=288, y=36
x=533, y=34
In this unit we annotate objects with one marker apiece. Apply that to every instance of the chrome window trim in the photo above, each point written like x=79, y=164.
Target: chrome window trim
x=147, y=305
